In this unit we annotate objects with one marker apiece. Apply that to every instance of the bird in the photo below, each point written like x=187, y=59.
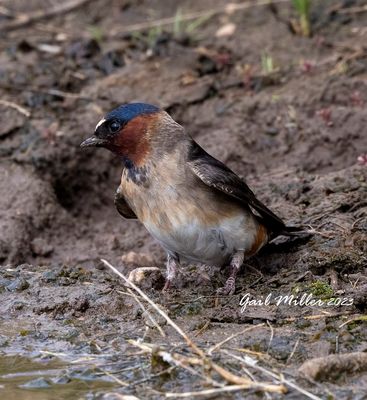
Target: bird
x=197, y=208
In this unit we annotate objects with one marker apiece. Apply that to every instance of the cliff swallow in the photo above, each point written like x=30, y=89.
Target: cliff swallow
x=196, y=207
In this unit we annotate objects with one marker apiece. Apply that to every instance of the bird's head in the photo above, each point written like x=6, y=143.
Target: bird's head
x=127, y=131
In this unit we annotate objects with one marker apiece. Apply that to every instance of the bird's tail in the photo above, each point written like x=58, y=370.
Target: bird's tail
x=295, y=231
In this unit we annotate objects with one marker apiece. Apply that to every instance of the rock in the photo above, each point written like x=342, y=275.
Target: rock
x=50, y=276
x=11, y=119
x=39, y=383
x=118, y=396
x=334, y=366
x=40, y=247
x=147, y=278
x=137, y=259
x=3, y=341
x=18, y=285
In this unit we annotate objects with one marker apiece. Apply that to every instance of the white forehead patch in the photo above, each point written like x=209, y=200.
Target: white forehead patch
x=100, y=123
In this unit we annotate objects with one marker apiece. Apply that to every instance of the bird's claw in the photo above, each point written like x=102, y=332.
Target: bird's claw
x=228, y=289
x=167, y=286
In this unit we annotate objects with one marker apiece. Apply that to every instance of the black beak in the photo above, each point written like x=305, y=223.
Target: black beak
x=93, y=141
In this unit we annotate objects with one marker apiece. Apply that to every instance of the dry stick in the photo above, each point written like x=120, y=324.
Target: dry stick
x=352, y=10
x=177, y=359
x=293, y=351
x=319, y=316
x=216, y=347
x=252, y=363
x=206, y=392
x=228, y=376
x=155, y=323
x=182, y=361
x=16, y=107
x=271, y=336
x=28, y=19
x=189, y=342
x=229, y=8
x=359, y=318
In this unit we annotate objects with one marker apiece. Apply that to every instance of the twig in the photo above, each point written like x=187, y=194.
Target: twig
x=202, y=329
x=360, y=318
x=293, y=351
x=352, y=10
x=155, y=323
x=218, y=345
x=16, y=107
x=23, y=20
x=231, y=388
x=119, y=381
x=203, y=360
x=177, y=360
x=271, y=336
x=252, y=363
x=318, y=316
x=189, y=342
x=229, y=8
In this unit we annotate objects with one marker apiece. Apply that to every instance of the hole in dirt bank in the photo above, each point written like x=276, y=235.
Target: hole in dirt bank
x=88, y=185
x=64, y=194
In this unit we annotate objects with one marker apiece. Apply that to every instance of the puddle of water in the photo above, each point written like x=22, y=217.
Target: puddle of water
x=62, y=384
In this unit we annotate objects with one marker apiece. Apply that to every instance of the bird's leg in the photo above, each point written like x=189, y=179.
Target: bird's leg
x=230, y=285
x=171, y=269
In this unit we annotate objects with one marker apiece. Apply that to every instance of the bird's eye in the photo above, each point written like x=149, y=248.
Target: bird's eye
x=115, y=126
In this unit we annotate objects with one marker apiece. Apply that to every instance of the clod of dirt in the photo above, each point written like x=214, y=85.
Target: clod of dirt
x=38, y=383
x=334, y=366
x=360, y=297
x=40, y=247
x=18, y=285
x=147, y=277
x=11, y=120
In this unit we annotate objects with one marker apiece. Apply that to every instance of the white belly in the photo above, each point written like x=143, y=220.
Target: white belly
x=212, y=245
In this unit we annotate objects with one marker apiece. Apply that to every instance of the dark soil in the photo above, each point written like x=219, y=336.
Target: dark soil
x=294, y=133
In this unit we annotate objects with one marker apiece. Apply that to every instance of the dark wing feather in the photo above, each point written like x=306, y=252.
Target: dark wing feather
x=122, y=207
x=216, y=175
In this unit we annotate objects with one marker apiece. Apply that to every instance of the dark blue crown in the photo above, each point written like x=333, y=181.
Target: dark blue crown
x=129, y=111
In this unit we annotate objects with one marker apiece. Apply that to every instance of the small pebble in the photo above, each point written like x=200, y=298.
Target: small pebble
x=18, y=285
x=40, y=247
x=147, y=277
x=39, y=383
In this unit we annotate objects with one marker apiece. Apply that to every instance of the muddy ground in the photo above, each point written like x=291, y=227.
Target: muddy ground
x=287, y=113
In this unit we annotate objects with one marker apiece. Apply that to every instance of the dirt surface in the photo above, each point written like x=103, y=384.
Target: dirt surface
x=295, y=132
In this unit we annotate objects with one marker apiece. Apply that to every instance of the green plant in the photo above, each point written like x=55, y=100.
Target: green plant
x=96, y=33
x=303, y=9
x=180, y=27
x=267, y=64
x=321, y=289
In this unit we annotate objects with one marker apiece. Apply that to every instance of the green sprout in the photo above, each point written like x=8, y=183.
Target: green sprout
x=303, y=9
x=96, y=33
x=267, y=64
x=181, y=28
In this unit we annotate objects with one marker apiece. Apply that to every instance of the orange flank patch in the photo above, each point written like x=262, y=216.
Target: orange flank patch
x=260, y=239
x=133, y=142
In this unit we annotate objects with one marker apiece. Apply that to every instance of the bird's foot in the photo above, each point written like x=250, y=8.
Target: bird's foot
x=229, y=288
x=167, y=286
x=172, y=267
